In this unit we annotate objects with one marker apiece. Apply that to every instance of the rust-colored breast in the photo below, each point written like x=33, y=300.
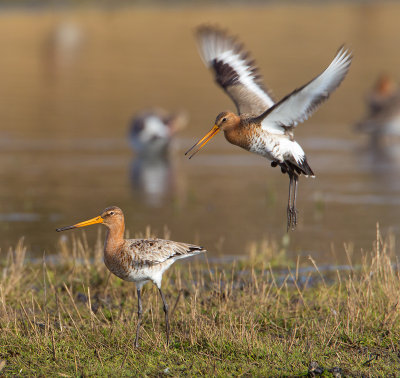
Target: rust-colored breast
x=240, y=135
x=119, y=261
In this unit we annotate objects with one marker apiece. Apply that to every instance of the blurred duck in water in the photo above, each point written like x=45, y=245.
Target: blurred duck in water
x=151, y=134
x=383, y=112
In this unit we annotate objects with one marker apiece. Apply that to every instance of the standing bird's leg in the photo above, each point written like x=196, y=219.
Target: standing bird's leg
x=166, y=314
x=139, y=318
x=290, y=200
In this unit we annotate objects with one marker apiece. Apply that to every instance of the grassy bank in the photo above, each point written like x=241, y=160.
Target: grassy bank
x=71, y=317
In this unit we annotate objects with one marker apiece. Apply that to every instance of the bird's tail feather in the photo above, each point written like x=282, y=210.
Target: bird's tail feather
x=300, y=167
x=190, y=250
x=305, y=168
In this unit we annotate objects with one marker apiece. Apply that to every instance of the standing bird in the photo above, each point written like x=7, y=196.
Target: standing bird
x=263, y=126
x=137, y=260
x=383, y=113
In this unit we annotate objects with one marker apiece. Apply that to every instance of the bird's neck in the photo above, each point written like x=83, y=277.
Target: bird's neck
x=114, y=238
x=237, y=136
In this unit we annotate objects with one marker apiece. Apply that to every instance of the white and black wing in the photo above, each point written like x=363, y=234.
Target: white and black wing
x=301, y=103
x=233, y=70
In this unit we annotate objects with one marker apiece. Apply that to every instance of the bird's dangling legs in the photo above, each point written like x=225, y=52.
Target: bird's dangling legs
x=294, y=210
x=290, y=200
x=139, y=319
x=166, y=314
x=291, y=209
x=293, y=172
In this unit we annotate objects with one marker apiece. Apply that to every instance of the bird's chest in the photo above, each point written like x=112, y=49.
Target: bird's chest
x=239, y=137
x=119, y=263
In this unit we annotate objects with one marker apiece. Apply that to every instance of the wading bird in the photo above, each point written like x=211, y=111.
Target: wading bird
x=383, y=112
x=137, y=260
x=153, y=136
x=152, y=131
x=263, y=126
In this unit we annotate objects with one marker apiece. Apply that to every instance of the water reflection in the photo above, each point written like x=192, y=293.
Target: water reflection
x=151, y=134
x=382, y=161
x=62, y=46
x=152, y=176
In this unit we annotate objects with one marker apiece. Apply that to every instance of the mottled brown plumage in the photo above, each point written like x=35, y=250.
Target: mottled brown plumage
x=137, y=260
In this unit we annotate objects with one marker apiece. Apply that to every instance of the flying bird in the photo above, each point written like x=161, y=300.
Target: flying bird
x=137, y=260
x=263, y=126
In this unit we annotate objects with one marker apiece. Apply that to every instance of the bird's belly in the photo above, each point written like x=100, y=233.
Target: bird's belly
x=266, y=146
x=138, y=272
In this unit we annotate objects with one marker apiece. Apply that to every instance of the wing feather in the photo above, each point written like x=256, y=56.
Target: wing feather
x=155, y=251
x=234, y=70
x=302, y=102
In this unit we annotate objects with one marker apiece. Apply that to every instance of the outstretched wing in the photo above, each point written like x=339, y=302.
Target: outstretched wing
x=233, y=69
x=301, y=103
x=155, y=251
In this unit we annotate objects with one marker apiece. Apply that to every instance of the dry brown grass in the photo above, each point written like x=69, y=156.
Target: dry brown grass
x=68, y=316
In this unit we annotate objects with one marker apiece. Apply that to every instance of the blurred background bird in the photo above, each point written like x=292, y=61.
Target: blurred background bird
x=382, y=117
x=152, y=131
x=152, y=134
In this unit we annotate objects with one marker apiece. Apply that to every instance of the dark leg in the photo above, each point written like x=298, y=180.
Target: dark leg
x=294, y=221
x=166, y=314
x=290, y=200
x=139, y=318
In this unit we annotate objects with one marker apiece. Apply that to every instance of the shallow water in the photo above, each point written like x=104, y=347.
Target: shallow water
x=64, y=116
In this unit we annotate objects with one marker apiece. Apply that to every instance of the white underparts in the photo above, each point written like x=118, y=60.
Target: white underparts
x=277, y=148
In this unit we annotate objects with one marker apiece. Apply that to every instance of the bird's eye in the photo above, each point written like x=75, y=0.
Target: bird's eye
x=111, y=213
x=224, y=119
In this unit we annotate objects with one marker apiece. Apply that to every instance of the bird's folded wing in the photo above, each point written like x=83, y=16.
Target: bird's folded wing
x=301, y=103
x=155, y=251
x=234, y=70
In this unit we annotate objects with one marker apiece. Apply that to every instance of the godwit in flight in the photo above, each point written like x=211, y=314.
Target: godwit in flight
x=138, y=260
x=263, y=126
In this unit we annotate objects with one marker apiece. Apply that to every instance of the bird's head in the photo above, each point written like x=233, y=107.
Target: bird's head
x=224, y=122
x=110, y=217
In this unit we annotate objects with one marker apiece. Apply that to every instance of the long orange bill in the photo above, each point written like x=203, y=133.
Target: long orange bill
x=82, y=224
x=203, y=141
